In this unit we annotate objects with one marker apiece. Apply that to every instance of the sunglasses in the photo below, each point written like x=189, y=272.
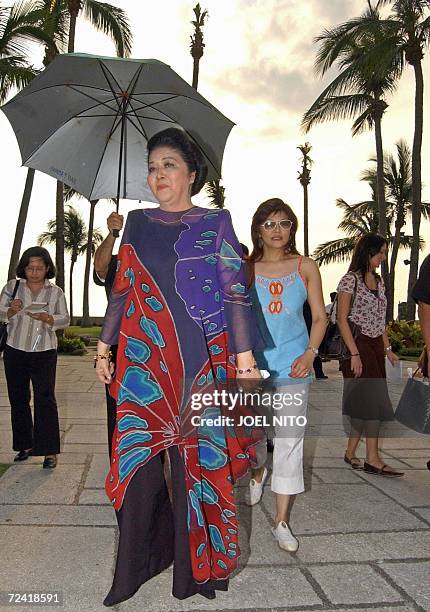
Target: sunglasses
x=269, y=226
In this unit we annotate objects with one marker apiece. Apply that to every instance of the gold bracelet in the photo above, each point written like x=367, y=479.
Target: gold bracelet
x=107, y=355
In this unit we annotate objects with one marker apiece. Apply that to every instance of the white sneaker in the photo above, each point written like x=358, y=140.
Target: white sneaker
x=285, y=538
x=256, y=489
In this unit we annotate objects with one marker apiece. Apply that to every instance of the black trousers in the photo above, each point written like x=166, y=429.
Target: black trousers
x=21, y=367
x=111, y=405
x=153, y=533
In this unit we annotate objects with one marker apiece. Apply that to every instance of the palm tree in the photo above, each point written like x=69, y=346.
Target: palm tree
x=409, y=30
x=19, y=25
x=216, y=193
x=86, y=321
x=214, y=188
x=197, y=45
x=363, y=217
x=75, y=241
x=398, y=183
x=359, y=90
x=305, y=178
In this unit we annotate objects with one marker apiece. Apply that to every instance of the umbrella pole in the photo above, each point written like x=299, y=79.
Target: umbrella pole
x=121, y=155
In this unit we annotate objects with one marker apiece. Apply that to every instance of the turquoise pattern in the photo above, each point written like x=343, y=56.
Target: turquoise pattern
x=154, y=304
x=133, y=438
x=128, y=461
x=137, y=350
x=150, y=328
x=137, y=388
x=132, y=421
x=211, y=457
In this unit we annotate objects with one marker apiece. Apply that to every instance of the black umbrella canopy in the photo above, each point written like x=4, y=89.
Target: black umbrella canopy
x=86, y=120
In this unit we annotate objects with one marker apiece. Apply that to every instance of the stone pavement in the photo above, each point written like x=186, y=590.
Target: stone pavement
x=364, y=540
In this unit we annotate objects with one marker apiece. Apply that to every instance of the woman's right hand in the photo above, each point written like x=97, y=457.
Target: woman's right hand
x=356, y=366
x=14, y=307
x=104, y=366
x=104, y=370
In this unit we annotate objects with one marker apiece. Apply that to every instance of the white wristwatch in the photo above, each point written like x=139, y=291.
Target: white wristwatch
x=313, y=349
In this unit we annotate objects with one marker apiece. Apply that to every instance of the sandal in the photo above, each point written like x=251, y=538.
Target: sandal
x=382, y=471
x=354, y=462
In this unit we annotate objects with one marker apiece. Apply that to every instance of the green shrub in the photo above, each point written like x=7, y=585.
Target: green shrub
x=411, y=352
x=71, y=344
x=405, y=336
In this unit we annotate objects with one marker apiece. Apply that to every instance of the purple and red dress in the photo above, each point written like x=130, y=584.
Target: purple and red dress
x=179, y=311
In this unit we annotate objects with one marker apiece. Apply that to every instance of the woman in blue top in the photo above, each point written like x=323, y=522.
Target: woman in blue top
x=283, y=281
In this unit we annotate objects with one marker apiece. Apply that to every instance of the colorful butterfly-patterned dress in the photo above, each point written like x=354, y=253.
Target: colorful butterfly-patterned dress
x=179, y=311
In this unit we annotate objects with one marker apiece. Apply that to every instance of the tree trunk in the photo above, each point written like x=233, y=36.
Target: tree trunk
x=195, y=72
x=380, y=182
x=394, y=253
x=72, y=31
x=86, y=321
x=306, y=220
x=59, y=235
x=416, y=186
x=72, y=265
x=20, y=224
x=380, y=194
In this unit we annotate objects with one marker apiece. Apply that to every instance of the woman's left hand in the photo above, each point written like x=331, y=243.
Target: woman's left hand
x=249, y=380
x=302, y=365
x=41, y=316
x=392, y=357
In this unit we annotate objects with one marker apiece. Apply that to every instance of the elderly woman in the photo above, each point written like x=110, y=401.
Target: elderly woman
x=182, y=319
x=36, y=311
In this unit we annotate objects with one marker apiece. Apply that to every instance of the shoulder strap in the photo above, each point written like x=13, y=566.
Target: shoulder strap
x=355, y=291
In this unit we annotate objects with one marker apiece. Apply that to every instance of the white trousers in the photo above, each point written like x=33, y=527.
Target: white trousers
x=289, y=418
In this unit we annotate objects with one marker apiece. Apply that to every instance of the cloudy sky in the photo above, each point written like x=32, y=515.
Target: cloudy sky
x=258, y=70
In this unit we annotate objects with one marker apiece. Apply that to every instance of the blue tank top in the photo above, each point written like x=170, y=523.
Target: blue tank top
x=278, y=305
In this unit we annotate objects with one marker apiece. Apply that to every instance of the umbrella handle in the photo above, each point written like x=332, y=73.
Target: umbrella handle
x=115, y=233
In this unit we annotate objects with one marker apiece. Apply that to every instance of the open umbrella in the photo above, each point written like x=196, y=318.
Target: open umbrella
x=86, y=120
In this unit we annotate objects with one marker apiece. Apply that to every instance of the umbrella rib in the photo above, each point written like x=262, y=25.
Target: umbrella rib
x=99, y=102
x=113, y=129
x=117, y=121
x=106, y=71
x=24, y=94
x=193, y=139
x=181, y=95
x=24, y=161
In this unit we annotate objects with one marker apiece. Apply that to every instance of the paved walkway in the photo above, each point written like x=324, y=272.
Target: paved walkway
x=364, y=540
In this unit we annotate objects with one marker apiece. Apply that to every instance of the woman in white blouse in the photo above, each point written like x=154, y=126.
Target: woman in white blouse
x=36, y=312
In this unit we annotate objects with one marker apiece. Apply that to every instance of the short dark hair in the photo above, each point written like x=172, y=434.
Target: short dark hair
x=35, y=251
x=177, y=139
x=367, y=247
x=333, y=295
x=267, y=208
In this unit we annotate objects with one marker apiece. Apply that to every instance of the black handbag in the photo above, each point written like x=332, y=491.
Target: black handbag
x=333, y=345
x=413, y=410
x=3, y=326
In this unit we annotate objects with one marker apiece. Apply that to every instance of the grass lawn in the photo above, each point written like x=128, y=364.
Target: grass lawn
x=3, y=468
x=85, y=331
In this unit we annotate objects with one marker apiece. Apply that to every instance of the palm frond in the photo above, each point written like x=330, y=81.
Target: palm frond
x=334, y=250
x=216, y=193
x=113, y=22
x=334, y=109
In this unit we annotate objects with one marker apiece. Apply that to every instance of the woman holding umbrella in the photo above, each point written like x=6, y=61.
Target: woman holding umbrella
x=182, y=318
